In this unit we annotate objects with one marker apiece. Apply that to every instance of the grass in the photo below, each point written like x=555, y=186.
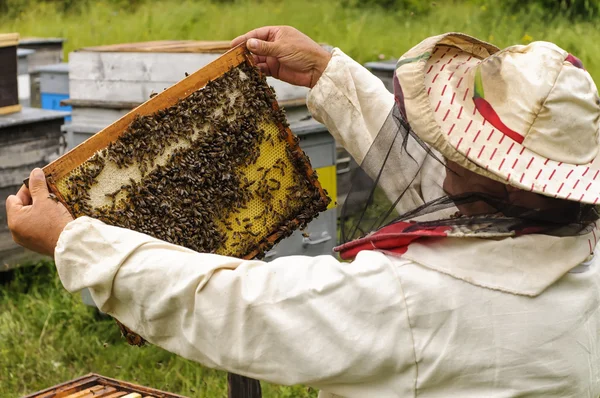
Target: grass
x=47, y=335
x=365, y=34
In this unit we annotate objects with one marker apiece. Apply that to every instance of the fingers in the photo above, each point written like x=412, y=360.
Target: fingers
x=264, y=48
x=37, y=185
x=13, y=204
x=24, y=195
x=261, y=33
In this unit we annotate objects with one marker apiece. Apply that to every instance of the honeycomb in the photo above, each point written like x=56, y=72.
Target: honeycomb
x=218, y=172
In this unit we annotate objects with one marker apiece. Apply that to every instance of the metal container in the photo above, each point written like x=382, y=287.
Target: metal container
x=28, y=139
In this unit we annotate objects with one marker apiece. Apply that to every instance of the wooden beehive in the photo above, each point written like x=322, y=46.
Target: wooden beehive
x=9, y=89
x=97, y=386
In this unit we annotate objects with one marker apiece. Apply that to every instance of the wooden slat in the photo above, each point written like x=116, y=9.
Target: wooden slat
x=166, y=46
x=9, y=39
x=118, y=394
x=5, y=110
x=81, y=393
x=63, y=165
x=65, y=388
x=101, y=393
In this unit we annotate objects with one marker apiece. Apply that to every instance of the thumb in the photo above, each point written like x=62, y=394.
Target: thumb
x=37, y=184
x=265, y=48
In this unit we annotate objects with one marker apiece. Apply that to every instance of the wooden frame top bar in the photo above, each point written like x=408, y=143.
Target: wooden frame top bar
x=9, y=39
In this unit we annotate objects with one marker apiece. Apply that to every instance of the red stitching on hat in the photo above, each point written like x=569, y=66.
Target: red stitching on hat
x=455, y=55
x=451, y=74
x=450, y=60
x=544, y=189
x=559, y=188
x=430, y=68
x=465, y=96
x=576, y=182
x=491, y=134
x=444, y=89
x=468, y=126
x=511, y=147
x=435, y=77
x=568, y=196
x=552, y=175
x=529, y=164
x=443, y=66
x=570, y=172
x=596, y=200
x=538, y=174
x=585, y=172
x=522, y=150
x=476, y=135
x=447, y=51
x=596, y=175
x=493, y=153
x=508, y=177
x=483, y=124
x=474, y=111
x=452, y=100
x=438, y=105
x=468, y=151
x=521, y=179
x=480, y=152
x=531, y=187
x=501, y=139
x=466, y=70
x=546, y=162
x=447, y=113
x=459, y=141
x=580, y=199
x=435, y=50
x=459, y=112
x=588, y=186
x=590, y=243
x=460, y=81
x=515, y=163
x=559, y=163
x=501, y=163
x=451, y=128
x=429, y=91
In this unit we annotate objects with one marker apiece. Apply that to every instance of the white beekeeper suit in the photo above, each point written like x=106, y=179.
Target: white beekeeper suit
x=454, y=318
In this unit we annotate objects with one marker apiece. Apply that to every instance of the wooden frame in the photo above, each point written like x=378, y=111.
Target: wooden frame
x=9, y=39
x=81, y=153
x=64, y=390
x=5, y=110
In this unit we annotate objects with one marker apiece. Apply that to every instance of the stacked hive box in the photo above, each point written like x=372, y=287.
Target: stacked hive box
x=9, y=92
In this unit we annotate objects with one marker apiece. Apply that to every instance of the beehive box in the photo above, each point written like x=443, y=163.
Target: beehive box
x=9, y=91
x=97, y=386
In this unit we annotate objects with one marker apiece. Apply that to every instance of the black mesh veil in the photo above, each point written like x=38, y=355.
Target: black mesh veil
x=401, y=178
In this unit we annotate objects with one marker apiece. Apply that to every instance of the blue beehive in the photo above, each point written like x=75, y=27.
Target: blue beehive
x=54, y=86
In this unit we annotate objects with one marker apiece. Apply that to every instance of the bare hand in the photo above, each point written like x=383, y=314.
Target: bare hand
x=286, y=54
x=34, y=219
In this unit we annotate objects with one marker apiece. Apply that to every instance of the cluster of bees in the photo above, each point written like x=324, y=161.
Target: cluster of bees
x=197, y=197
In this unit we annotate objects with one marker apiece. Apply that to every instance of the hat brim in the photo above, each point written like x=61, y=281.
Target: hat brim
x=437, y=78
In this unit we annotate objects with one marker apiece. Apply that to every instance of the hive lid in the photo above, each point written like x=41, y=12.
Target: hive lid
x=100, y=386
x=9, y=39
x=165, y=46
x=31, y=41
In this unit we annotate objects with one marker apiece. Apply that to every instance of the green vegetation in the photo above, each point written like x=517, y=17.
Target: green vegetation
x=47, y=335
x=364, y=33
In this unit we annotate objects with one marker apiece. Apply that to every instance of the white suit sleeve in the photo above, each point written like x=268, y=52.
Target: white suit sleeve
x=297, y=319
x=352, y=102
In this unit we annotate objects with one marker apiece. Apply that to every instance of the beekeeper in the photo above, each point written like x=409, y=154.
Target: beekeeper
x=480, y=280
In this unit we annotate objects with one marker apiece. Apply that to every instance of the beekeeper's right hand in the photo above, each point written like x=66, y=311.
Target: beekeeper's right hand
x=286, y=54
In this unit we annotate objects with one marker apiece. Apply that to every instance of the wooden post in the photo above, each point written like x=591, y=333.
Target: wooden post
x=242, y=387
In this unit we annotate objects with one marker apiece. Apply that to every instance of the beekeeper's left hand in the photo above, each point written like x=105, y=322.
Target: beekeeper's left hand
x=34, y=219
